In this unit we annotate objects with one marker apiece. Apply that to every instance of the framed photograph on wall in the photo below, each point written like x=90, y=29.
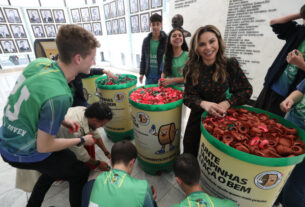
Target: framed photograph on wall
x=95, y=13
x=18, y=31
x=85, y=14
x=156, y=12
x=2, y=19
x=50, y=30
x=8, y=46
x=46, y=16
x=113, y=9
x=33, y=15
x=38, y=31
x=145, y=22
x=121, y=8
x=4, y=31
x=59, y=16
x=23, y=45
x=97, y=28
x=134, y=6
x=107, y=11
x=108, y=27
x=88, y=27
x=134, y=23
x=122, y=25
x=115, y=26
x=144, y=5
x=12, y=15
x=156, y=3
x=75, y=15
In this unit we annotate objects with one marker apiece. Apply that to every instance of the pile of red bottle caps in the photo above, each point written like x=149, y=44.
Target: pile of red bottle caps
x=255, y=133
x=156, y=95
x=121, y=79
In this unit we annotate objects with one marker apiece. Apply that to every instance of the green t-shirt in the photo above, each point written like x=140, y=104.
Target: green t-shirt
x=41, y=80
x=153, y=67
x=178, y=65
x=117, y=188
x=282, y=85
x=201, y=199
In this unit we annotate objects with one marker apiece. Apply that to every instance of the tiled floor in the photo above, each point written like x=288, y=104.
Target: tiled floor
x=168, y=191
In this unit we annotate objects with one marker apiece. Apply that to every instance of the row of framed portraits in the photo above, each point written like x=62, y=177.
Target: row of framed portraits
x=11, y=46
x=140, y=23
x=85, y=14
x=116, y=26
x=142, y=5
x=46, y=16
x=94, y=27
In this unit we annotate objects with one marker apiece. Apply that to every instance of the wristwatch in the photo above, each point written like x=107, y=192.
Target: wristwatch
x=82, y=141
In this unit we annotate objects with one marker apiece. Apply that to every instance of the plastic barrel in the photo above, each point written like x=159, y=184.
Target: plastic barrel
x=157, y=133
x=116, y=97
x=247, y=179
x=89, y=88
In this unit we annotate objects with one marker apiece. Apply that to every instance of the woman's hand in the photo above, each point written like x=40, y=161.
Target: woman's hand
x=213, y=108
x=165, y=81
x=225, y=104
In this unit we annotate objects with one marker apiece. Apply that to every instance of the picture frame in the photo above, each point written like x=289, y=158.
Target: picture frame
x=107, y=11
x=4, y=31
x=144, y=20
x=46, y=16
x=144, y=5
x=38, y=31
x=122, y=26
x=50, y=30
x=134, y=23
x=59, y=15
x=12, y=15
x=156, y=3
x=97, y=28
x=18, y=31
x=120, y=8
x=2, y=18
x=88, y=27
x=85, y=14
x=8, y=46
x=75, y=15
x=156, y=11
x=134, y=6
x=33, y=16
x=95, y=13
x=115, y=26
x=113, y=9
x=23, y=45
x=108, y=27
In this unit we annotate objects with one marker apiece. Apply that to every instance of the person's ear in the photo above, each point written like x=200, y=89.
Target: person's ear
x=77, y=58
x=179, y=181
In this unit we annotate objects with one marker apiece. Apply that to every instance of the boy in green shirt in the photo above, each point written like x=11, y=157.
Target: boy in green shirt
x=117, y=187
x=187, y=172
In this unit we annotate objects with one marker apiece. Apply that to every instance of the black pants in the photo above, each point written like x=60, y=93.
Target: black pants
x=270, y=101
x=192, y=133
x=59, y=165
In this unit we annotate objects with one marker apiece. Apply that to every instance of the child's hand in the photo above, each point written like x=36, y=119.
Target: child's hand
x=286, y=105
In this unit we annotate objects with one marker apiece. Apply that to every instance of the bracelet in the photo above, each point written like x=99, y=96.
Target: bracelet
x=107, y=153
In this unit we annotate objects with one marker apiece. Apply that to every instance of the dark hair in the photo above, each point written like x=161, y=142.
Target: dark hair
x=71, y=40
x=187, y=169
x=123, y=151
x=169, y=51
x=302, y=11
x=99, y=111
x=195, y=62
x=155, y=18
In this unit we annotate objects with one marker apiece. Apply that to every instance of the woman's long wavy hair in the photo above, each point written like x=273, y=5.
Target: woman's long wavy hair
x=169, y=51
x=195, y=62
